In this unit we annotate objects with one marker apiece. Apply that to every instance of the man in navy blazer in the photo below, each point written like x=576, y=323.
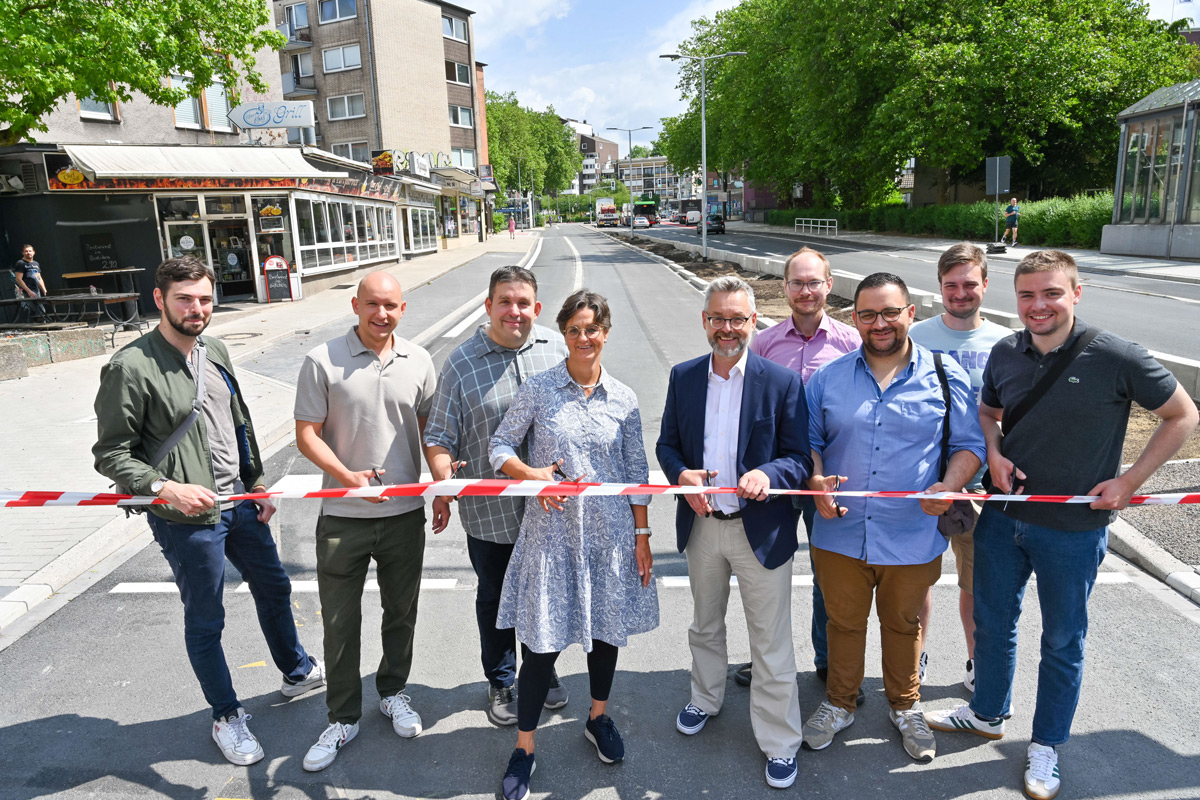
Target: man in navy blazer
x=734, y=419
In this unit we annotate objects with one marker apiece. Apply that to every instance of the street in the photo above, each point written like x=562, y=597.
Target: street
x=100, y=700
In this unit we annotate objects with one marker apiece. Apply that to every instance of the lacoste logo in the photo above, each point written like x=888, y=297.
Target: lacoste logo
x=1072, y=379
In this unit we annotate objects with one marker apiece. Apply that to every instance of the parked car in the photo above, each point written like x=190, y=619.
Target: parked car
x=716, y=224
x=641, y=222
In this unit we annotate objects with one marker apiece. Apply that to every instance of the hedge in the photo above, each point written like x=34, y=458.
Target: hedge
x=1054, y=222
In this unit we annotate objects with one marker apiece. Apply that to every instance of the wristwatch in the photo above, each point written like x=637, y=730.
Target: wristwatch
x=641, y=531
x=158, y=485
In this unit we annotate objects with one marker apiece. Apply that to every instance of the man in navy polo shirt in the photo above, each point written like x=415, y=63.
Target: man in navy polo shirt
x=1069, y=443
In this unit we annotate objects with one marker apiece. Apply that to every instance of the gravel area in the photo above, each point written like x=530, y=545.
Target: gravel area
x=1175, y=528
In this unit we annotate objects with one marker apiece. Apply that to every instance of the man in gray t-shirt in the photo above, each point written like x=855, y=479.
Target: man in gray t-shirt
x=361, y=404
x=1068, y=443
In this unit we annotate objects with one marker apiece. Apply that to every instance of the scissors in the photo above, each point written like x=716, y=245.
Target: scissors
x=839, y=510
x=558, y=471
x=375, y=477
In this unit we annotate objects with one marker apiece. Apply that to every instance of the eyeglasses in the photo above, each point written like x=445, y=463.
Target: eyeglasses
x=867, y=317
x=734, y=323
x=812, y=286
x=591, y=332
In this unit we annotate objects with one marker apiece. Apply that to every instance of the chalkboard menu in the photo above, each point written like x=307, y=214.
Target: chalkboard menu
x=279, y=284
x=99, y=251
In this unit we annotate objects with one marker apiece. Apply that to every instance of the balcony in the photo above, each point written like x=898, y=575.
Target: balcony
x=297, y=38
x=296, y=86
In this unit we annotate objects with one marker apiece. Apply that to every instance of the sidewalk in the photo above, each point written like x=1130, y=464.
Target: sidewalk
x=50, y=427
x=1088, y=260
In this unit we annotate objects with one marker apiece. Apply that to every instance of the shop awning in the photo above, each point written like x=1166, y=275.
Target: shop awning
x=144, y=161
x=455, y=174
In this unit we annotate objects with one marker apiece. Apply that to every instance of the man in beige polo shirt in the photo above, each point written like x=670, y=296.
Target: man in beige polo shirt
x=361, y=404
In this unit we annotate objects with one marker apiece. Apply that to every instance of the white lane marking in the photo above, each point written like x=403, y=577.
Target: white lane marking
x=950, y=579
x=751, y=249
x=453, y=318
x=528, y=262
x=578, y=265
x=149, y=587
x=298, y=587
x=462, y=326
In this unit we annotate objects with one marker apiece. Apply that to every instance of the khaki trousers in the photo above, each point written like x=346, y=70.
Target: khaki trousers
x=717, y=549
x=899, y=592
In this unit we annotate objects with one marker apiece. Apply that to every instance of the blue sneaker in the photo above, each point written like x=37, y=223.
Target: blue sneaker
x=515, y=785
x=691, y=720
x=602, y=732
x=781, y=772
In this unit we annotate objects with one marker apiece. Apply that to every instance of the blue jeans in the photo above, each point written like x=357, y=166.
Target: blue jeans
x=1065, y=562
x=197, y=555
x=497, y=647
x=820, y=619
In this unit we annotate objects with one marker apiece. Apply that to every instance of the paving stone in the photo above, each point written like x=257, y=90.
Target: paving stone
x=12, y=361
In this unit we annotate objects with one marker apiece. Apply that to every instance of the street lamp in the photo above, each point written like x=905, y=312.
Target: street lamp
x=703, y=143
x=630, y=176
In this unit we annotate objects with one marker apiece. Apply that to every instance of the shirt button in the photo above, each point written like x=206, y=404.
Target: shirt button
x=868, y=517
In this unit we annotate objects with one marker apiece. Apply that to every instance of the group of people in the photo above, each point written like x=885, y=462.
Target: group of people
x=810, y=403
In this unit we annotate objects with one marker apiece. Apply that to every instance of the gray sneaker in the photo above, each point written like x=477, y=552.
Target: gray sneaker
x=557, y=696
x=824, y=724
x=502, y=705
x=914, y=732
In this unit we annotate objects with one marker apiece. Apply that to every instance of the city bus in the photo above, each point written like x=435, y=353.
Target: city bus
x=647, y=209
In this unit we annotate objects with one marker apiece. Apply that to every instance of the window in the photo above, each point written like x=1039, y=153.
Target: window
x=296, y=16
x=302, y=65
x=458, y=73
x=356, y=151
x=460, y=116
x=188, y=112
x=334, y=10
x=95, y=108
x=339, y=59
x=463, y=158
x=454, y=28
x=217, y=101
x=346, y=106
x=334, y=233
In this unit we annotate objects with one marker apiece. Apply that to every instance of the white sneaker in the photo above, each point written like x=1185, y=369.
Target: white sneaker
x=922, y=667
x=237, y=743
x=405, y=721
x=962, y=718
x=1041, y=772
x=969, y=677
x=314, y=679
x=335, y=737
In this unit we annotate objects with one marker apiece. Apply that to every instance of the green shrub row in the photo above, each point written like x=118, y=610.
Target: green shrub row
x=1054, y=222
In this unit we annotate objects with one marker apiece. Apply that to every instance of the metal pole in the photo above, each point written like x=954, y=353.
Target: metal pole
x=518, y=185
x=628, y=178
x=703, y=170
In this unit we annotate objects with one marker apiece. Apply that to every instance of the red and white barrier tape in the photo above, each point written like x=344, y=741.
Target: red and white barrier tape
x=507, y=488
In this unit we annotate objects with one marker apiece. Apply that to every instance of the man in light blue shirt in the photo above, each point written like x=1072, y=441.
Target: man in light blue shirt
x=875, y=424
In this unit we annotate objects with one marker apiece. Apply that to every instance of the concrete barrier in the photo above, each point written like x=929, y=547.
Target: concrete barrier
x=37, y=348
x=12, y=361
x=75, y=344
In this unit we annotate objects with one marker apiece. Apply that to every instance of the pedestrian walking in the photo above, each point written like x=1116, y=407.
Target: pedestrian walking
x=1054, y=409
x=1012, y=216
x=735, y=419
x=581, y=571
x=476, y=387
x=512, y=226
x=361, y=404
x=172, y=422
x=961, y=333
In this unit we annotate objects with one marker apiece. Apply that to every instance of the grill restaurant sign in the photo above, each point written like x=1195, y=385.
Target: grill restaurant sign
x=257, y=116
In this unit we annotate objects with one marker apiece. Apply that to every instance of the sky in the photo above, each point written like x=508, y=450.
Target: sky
x=590, y=60
x=598, y=61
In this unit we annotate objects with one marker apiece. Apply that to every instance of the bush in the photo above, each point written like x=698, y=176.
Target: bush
x=1055, y=222
x=499, y=222
x=541, y=220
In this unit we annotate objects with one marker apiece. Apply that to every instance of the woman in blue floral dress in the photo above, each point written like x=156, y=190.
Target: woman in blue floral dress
x=581, y=571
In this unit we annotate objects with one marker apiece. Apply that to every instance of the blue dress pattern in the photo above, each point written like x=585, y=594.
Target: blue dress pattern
x=573, y=574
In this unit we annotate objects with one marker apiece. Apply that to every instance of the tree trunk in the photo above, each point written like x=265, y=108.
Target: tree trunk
x=943, y=186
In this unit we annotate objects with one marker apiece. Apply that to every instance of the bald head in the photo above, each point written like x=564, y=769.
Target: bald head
x=379, y=306
x=378, y=282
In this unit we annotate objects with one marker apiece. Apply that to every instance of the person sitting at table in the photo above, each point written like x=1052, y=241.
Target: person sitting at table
x=571, y=582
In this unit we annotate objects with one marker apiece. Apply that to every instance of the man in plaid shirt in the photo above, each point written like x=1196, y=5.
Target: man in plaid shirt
x=478, y=383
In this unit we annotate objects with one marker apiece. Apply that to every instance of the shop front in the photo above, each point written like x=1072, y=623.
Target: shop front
x=419, y=215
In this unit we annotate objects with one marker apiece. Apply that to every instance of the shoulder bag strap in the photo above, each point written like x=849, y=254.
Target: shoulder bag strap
x=197, y=405
x=1011, y=418
x=941, y=373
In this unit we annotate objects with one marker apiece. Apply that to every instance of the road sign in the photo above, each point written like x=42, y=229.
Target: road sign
x=288, y=114
x=997, y=174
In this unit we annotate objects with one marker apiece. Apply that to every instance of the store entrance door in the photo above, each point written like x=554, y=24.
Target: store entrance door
x=229, y=245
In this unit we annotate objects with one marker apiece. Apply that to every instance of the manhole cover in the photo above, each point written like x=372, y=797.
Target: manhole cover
x=344, y=286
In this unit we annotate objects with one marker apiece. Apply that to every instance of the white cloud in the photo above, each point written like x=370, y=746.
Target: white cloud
x=623, y=82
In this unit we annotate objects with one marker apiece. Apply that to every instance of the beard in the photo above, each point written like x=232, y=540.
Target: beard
x=728, y=348
x=187, y=326
x=967, y=314
x=898, y=342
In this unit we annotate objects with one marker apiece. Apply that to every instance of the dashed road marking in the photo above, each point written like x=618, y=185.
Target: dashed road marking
x=298, y=587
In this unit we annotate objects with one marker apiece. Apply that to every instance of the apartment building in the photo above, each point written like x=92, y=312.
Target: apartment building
x=600, y=157
x=653, y=175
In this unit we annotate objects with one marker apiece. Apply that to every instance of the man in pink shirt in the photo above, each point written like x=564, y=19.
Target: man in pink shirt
x=803, y=342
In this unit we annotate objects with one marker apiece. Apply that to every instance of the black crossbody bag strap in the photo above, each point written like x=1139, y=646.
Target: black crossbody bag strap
x=941, y=373
x=1011, y=418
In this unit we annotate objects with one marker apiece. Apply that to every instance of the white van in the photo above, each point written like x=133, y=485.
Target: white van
x=693, y=218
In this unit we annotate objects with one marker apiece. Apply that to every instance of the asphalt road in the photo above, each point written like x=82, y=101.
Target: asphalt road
x=99, y=700
x=1159, y=314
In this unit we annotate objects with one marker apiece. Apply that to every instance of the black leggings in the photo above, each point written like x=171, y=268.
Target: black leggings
x=533, y=683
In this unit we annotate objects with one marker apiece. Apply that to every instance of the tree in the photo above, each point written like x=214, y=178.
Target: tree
x=533, y=148
x=109, y=50
x=640, y=151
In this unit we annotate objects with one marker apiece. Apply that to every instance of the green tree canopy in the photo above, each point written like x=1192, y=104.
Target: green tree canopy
x=841, y=93
x=108, y=50
x=531, y=147
x=640, y=151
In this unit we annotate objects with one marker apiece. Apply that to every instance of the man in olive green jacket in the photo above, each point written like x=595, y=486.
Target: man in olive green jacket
x=147, y=390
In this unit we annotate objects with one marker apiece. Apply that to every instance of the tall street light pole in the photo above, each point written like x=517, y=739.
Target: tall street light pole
x=703, y=142
x=630, y=176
